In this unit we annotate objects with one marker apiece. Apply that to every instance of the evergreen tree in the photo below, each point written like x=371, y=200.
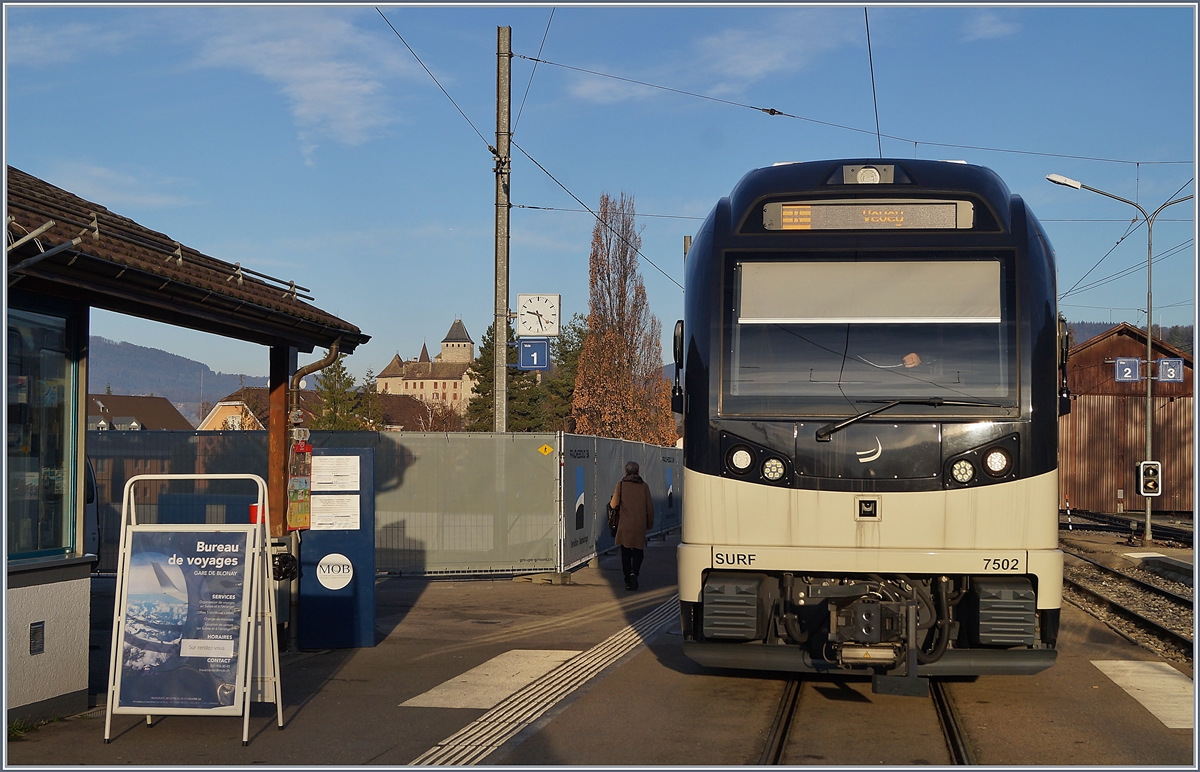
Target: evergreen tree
x=339, y=402
x=370, y=406
x=558, y=389
x=524, y=410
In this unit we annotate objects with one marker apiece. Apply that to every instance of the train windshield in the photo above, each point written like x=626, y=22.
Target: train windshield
x=818, y=336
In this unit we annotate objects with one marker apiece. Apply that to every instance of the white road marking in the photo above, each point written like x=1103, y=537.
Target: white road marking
x=486, y=685
x=1161, y=689
x=479, y=739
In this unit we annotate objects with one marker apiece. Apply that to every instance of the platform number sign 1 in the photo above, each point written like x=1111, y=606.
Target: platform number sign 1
x=1129, y=370
x=533, y=354
x=1170, y=370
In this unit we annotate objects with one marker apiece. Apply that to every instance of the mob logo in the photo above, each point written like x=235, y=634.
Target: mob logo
x=335, y=571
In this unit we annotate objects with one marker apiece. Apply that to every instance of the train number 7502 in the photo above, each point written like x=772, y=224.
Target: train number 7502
x=1001, y=564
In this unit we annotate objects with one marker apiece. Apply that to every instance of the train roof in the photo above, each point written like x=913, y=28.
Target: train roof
x=910, y=177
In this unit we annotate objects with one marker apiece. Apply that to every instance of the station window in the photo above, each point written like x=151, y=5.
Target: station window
x=41, y=434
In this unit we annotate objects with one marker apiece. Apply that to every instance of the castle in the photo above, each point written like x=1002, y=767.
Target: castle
x=444, y=379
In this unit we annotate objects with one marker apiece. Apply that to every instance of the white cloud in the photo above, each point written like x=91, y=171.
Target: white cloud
x=988, y=26
x=36, y=45
x=728, y=61
x=331, y=72
x=115, y=189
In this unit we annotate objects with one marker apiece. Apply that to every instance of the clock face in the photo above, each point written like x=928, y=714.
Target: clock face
x=538, y=316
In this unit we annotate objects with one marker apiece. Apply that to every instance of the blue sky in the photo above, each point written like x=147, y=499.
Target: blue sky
x=308, y=143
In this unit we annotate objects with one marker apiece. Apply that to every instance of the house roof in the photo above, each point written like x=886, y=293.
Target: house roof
x=394, y=369
x=397, y=409
x=209, y=422
x=424, y=354
x=1127, y=329
x=398, y=368
x=109, y=261
x=153, y=413
x=457, y=334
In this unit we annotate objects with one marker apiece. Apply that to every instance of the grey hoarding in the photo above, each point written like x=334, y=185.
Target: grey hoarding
x=459, y=503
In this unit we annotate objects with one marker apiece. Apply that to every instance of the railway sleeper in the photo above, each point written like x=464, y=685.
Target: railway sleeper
x=892, y=626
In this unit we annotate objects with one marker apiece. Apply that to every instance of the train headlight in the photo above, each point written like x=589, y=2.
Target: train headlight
x=772, y=469
x=963, y=471
x=997, y=462
x=740, y=459
x=868, y=175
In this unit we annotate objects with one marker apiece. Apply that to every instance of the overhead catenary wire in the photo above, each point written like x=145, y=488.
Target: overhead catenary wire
x=775, y=112
x=495, y=152
x=1130, y=270
x=533, y=72
x=588, y=211
x=490, y=147
x=594, y=214
x=874, y=96
x=1134, y=225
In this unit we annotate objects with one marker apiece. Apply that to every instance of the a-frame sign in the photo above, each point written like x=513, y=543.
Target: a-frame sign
x=194, y=619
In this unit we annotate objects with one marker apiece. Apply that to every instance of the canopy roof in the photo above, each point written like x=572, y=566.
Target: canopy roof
x=82, y=251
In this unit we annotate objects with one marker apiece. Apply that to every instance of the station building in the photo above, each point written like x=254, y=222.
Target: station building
x=1104, y=436
x=65, y=256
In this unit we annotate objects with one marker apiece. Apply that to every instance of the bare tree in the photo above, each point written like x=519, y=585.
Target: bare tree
x=619, y=387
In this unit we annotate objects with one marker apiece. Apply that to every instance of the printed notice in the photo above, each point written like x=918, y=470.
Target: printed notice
x=334, y=473
x=335, y=512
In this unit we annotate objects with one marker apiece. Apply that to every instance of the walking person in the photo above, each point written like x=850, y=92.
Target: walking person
x=632, y=495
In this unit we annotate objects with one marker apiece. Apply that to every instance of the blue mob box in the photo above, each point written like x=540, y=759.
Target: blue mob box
x=337, y=566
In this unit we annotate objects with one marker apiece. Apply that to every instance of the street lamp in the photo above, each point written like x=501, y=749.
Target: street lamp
x=1058, y=179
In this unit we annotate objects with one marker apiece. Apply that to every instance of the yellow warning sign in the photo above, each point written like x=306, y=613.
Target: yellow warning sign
x=545, y=450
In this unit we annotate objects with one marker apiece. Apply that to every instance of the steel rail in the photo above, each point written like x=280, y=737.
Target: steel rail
x=1153, y=589
x=952, y=729
x=1182, y=642
x=781, y=726
x=1123, y=523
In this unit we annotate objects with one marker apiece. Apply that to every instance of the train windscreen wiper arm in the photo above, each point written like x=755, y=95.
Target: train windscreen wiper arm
x=826, y=432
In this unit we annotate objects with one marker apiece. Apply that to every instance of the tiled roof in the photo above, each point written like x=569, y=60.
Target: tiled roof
x=394, y=369
x=450, y=371
x=457, y=334
x=397, y=409
x=122, y=266
x=424, y=354
x=153, y=413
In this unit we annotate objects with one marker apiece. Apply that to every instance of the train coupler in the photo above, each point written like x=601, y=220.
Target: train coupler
x=909, y=684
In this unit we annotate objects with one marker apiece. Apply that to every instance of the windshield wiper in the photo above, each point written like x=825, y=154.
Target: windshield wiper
x=826, y=432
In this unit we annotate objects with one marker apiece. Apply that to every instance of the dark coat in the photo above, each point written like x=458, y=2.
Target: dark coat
x=637, y=513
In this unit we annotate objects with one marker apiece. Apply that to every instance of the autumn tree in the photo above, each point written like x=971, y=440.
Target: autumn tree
x=619, y=387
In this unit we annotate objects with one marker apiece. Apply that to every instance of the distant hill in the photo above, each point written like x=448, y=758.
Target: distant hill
x=126, y=368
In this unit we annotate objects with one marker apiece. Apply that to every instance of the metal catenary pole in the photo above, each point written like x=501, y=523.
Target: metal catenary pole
x=503, y=173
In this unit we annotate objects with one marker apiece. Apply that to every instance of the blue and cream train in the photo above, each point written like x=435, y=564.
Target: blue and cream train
x=869, y=374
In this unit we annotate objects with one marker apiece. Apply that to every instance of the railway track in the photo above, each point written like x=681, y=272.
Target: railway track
x=1132, y=589
x=957, y=745
x=1129, y=523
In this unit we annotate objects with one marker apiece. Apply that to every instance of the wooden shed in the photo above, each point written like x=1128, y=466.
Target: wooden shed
x=1104, y=436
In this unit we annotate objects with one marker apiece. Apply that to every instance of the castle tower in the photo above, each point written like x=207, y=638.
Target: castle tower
x=457, y=346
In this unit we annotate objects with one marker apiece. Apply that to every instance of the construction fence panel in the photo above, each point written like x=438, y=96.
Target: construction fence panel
x=458, y=503
x=584, y=521
x=462, y=503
